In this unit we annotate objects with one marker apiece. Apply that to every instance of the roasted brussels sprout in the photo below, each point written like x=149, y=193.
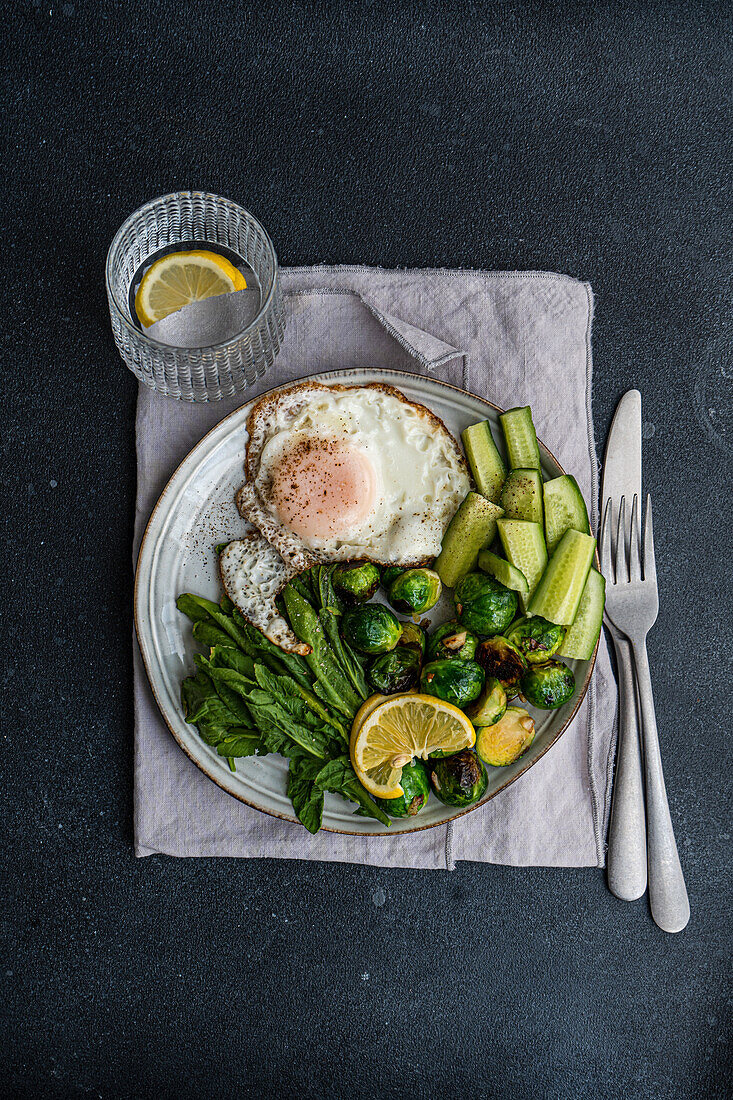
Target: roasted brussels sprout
x=490, y=705
x=415, y=792
x=357, y=580
x=451, y=641
x=501, y=659
x=398, y=670
x=536, y=638
x=371, y=629
x=507, y=739
x=484, y=605
x=415, y=591
x=457, y=682
x=549, y=685
x=460, y=779
x=390, y=574
x=414, y=636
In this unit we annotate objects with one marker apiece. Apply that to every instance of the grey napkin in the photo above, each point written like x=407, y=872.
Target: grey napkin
x=512, y=337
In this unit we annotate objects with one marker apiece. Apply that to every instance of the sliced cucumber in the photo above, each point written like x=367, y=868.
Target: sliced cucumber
x=486, y=463
x=521, y=497
x=581, y=638
x=524, y=545
x=564, y=508
x=521, y=439
x=472, y=527
x=505, y=573
x=557, y=596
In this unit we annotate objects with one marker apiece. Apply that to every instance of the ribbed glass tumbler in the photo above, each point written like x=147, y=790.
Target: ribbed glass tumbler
x=205, y=373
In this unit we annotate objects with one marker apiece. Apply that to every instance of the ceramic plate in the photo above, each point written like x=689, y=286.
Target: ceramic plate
x=195, y=512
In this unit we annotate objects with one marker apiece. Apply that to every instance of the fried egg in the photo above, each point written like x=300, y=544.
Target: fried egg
x=345, y=473
x=252, y=573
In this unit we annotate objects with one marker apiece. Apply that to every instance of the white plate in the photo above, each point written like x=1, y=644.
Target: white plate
x=195, y=512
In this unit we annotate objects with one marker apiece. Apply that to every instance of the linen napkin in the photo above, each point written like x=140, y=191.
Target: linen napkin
x=512, y=337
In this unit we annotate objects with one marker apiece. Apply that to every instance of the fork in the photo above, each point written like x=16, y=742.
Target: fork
x=632, y=605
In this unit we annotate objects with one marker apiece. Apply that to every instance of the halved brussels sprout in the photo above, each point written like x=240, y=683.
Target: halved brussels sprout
x=456, y=682
x=501, y=659
x=507, y=739
x=415, y=591
x=536, y=638
x=390, y=574
x=371, y=629
x=490, y=705
x=451, y=641
x=414, y=636
x=398, y=670
x=548, y=686
x=459, y=779
x=484, y=605
x=357, y=580
x=415, y=792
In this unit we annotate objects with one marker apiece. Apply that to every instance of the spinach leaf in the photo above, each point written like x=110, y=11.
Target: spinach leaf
x=307, y=798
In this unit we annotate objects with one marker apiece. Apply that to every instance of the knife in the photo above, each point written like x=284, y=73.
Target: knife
x=626, y=861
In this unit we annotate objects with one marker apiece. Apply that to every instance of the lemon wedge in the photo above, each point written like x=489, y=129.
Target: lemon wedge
x=390, y=733
x=180, y=278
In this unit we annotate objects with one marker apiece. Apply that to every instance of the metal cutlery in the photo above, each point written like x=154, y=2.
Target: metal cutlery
x=626, y=859
x=632, y=605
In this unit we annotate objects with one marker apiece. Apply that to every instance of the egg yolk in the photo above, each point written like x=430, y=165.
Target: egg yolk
x=324, y=488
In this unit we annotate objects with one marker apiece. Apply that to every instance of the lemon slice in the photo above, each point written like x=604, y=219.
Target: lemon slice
x=389, y=734
x=180, y=278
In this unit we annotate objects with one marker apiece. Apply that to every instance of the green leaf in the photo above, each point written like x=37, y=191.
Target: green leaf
x=239, y=742
x=322, y=661
x=306, y=797
x=276, y=659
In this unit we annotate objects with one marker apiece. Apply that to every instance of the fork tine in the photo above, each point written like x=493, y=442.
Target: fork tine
x=635, y=543
x=621, y=564
x=650, y=565
x=605, y=547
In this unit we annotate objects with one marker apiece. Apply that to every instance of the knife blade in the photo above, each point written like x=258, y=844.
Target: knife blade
x=622, y=461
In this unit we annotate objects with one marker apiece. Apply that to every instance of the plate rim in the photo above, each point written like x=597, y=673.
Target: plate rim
x=201, y=765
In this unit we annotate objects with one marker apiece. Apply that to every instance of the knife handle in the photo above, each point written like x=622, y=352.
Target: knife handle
x=626, y=865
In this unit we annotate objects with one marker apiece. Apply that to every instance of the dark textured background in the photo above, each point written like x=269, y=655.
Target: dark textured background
x=588, y=139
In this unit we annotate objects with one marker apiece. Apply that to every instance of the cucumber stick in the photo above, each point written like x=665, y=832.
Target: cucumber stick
x=521, y=497
x=472, y=527
x=557, y=596
x=504, y=572
x=521, y=439
x=487, y=466
x=524, y=546
x=581, y=637
x=564, y=508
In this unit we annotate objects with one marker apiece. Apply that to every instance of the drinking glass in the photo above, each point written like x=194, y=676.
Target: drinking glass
x=200, y=373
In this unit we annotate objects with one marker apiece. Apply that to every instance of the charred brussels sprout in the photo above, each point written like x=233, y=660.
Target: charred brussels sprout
x=460, y=779
x=456, y=682
x=536, y=638
x=372, y=629
x=398, y=670
x=548, y=686
x=490, y=705
x=415, y=792
x=414, y=636
x=357, y=580
x=451, y=641
x=415, y=591
x=502, y=660
x=507, y=739
x=484, y=605
x=390, y=574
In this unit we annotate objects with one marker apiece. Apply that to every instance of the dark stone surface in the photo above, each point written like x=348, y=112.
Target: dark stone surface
x=589, y=139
